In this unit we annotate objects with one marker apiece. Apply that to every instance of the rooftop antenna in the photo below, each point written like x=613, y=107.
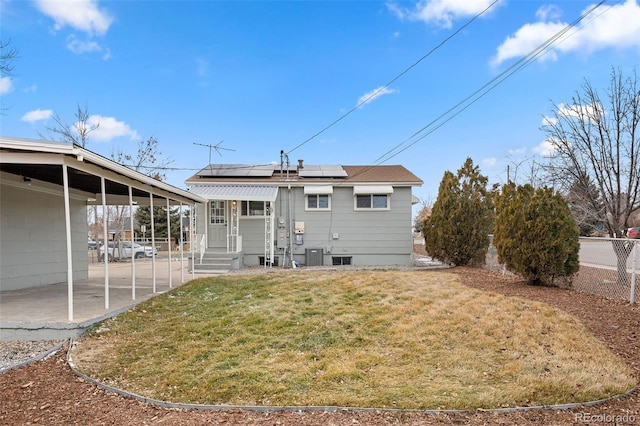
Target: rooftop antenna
x=217, y=147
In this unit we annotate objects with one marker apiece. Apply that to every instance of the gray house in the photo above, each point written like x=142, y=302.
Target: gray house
x=304, y=215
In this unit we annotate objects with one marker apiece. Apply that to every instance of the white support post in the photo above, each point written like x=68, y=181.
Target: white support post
x=105, y=231
x=169, y=241
x=180, y=248
x=133, y=255
x=193, y=218
x=67, y=221
x=153, y=245
x=207, y=222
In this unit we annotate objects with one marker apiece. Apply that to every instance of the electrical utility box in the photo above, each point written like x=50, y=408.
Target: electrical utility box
x=281, y=238
x=313, y=257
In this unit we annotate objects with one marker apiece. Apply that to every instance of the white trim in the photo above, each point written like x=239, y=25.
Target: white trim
x=371, y=209
x=372, y=189
x=317, y=209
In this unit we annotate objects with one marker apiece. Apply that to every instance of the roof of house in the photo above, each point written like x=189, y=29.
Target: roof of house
x=308, y=174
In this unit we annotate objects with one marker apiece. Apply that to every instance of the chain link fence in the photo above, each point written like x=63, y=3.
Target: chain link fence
x=609, y=267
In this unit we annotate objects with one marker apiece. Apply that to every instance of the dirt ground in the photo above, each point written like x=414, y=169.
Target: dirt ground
x=48, y=392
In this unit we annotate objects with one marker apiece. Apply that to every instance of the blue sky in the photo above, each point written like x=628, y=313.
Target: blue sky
x=266, y=76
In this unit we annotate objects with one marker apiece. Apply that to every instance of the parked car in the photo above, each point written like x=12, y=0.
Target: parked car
x=633, y=232
x=93, y=245
x=138, y=251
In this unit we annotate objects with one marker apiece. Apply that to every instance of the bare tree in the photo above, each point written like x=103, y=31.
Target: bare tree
x=147, y=160
x=423, y=214
x=77, y=133
x=597, y=143
x=7, y=56
x=531, y=173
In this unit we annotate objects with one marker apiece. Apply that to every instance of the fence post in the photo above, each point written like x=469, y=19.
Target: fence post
x=634, y=265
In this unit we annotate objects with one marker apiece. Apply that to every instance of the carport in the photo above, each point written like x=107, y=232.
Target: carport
x=44, y=187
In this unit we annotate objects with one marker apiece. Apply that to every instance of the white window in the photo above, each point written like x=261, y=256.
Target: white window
x=318, y=197
x=253, y=208
x=318, y=202
x=372, y=201
x=372, y=197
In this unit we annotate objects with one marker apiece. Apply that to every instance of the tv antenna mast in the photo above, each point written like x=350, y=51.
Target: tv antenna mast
x=217, y=147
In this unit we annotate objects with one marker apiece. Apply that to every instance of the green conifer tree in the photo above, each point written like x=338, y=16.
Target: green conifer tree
x=143, y=216
x=461, y=219
x=535, y=235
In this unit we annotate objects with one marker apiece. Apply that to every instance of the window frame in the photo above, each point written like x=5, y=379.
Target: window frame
x=214, y=216
x=307, y=197
x=245, y=209
x=372, y=203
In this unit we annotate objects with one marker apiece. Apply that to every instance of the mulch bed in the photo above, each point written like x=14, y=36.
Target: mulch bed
x=48, y=392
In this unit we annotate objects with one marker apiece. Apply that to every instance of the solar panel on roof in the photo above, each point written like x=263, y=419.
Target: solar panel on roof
x=237, y=170
x=322, y=171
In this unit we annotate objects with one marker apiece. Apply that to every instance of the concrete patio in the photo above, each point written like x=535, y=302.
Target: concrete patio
x=41, y=313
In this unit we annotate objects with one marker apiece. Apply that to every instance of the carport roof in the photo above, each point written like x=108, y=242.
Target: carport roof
x=43, y=160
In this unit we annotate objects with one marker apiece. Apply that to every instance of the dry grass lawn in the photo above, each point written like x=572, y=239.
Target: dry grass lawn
x=394, y=339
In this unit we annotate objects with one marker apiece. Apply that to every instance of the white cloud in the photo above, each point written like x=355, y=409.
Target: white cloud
x=490, y=161
x=581, y=112
x=202, y=67
x=109, y=128
x=81, y=15
x=549, y=121
x=548, y=12
x=81, y=46
x=6, y=85
x=374, y=94
x=31, y=89
x=617, y=27
x=526, y=39
x=439, y=12
x=517, y=151
x=545, y=148
x=37, y=115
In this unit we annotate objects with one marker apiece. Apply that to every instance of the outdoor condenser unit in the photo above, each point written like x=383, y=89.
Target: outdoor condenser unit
x=313, y=256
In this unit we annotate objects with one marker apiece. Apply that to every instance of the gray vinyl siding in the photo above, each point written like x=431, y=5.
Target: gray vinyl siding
x=375, y=237
x=201, y=220
x=33, y=238
x=369, y=237
x=253, y=243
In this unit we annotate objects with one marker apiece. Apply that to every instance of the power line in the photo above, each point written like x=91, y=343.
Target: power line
x=486, y=88
x=381, y=88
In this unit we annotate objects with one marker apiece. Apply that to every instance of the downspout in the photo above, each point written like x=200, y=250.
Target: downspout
x=290, y=225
